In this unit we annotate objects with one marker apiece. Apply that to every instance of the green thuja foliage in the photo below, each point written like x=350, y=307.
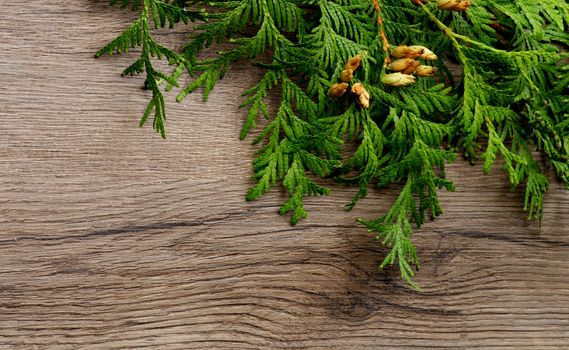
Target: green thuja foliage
x=501, y=90
x=139, y=35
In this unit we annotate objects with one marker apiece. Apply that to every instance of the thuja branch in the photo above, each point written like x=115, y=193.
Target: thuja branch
x=482, y=106
x=139, y=35
x=340, y=82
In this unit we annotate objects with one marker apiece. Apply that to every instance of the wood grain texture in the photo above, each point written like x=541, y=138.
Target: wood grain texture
x=111, y=238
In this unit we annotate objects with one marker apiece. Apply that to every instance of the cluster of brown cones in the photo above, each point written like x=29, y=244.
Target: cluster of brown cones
x=406, y=65
x=346, y=76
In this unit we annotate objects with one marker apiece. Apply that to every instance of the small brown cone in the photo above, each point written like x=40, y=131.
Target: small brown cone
x=411, y=68
x=407, y=51
x=358, y=89
x=347, y=75
x=425, y=71
x=425, y=53
x=363, y=99
x=337, y=90
x=453, y=5
x=353, y=63
x=398, y=79
x=401, y=64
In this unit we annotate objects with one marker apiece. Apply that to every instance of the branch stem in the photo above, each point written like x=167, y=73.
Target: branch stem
x=384, y=40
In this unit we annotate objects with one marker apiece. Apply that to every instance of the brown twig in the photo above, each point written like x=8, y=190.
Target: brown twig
x=382, y=32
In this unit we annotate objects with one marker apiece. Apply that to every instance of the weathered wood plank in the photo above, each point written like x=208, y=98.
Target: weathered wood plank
x=112, y=238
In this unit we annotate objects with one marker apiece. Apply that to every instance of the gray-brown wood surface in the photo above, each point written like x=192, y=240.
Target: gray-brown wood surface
x=111, y=238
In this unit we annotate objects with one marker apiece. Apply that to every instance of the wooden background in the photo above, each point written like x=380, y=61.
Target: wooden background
x=111, y=238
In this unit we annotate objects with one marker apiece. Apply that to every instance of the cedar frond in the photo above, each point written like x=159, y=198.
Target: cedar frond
x=509, y=99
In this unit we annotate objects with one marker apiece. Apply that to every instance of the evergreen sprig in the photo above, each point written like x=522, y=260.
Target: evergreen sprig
x=345, y=84
x=139, y=35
